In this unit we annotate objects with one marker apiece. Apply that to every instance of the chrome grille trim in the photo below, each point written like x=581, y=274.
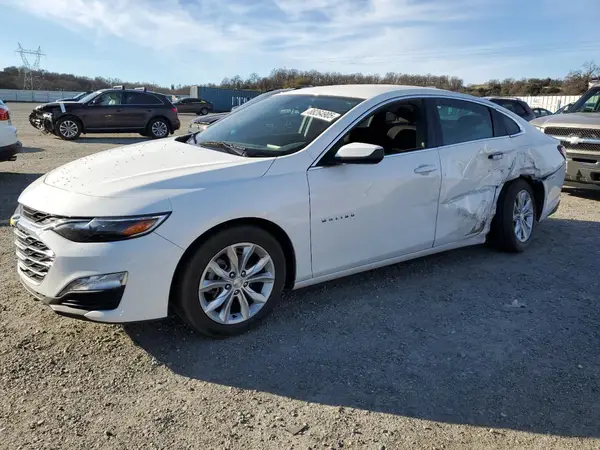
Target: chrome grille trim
x=38, y=217
x=587, y=133
x=34, y=258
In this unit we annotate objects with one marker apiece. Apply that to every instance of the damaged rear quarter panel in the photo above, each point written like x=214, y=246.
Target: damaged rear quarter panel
x=472, y=181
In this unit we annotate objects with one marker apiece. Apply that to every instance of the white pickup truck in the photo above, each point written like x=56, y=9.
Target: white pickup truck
x=9, y=144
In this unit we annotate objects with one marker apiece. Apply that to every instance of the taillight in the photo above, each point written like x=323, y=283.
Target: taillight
x=174, y=109
x=4, y=114
x=562, y=151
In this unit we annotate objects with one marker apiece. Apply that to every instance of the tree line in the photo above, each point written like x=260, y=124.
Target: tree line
x=575, y=83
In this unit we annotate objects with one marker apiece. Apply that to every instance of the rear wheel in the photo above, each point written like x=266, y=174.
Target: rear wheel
x=231, y=281
x=515, y=222
x=204, y=111
x=158, y=128
x=68, y=128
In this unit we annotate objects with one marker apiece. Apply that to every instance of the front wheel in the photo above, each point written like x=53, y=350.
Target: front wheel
x=515, y=222
x=231, y=281
x=68, y=129
x=158, y=128
x=204, y=111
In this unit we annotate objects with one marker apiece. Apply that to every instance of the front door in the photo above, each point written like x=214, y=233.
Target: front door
x=366, y=213
x=101, y=113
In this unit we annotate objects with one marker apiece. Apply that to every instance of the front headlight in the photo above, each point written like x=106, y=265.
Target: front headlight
x=196, y=127
x=109, y=229
x=16, y=216
x=539, y=128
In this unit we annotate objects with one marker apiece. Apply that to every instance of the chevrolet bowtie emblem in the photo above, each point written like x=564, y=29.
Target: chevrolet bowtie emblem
x=574, y=139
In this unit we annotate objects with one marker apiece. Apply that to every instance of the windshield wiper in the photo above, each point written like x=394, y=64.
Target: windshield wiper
x=229, y=148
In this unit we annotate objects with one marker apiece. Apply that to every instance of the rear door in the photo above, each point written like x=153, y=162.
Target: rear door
x=184, y=106
x=137, y=109
x=475, y=160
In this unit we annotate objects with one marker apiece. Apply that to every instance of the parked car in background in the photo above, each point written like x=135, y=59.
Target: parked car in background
x=193, y=105
x=9, y=143
x=116, y=110
x=75, y=98
x=563, y=109
x=519, y=107
x=300, y=188
x=579, y=132
x=202, y=123
x=541, y=112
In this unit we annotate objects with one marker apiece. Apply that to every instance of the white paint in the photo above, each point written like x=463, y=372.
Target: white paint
x=379, y=213
x=8, y=133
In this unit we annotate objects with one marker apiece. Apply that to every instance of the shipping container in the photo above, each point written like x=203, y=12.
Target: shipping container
x=223, y=99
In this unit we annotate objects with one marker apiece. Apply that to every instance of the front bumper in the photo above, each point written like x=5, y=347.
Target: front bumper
x=9, y=152
x=583, y=168
x=42, y=121
x=150, y=262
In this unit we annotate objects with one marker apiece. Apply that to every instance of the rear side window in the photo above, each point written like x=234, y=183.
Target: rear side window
x=137, y=98
x=463, y=121
x=504, y=125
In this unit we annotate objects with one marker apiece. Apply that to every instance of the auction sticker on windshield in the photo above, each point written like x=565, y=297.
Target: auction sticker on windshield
x=322, y=114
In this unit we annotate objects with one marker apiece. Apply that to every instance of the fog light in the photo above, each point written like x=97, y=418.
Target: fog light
x=96, y=283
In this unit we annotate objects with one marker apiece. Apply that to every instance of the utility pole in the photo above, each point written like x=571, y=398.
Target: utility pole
x=30, y=81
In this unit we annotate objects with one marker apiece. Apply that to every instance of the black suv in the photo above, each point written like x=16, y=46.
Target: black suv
x=116, y=110
x=519, y=107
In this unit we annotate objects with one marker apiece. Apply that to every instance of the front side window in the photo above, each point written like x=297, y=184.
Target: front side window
x=278, y=125
x=463, y=121
x=108, y=99
x=399, y=127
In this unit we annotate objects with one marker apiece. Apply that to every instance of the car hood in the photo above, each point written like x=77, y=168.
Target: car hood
x=210, y=118
x=157, y=169
x=571, y=120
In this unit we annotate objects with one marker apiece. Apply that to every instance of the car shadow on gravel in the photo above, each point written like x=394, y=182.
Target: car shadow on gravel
x=471, y=336
x=31, y=150
x=590, y=194
x=11, y=186
x=116, y=140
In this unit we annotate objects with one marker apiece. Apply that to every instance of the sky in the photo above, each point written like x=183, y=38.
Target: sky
x=202, y=41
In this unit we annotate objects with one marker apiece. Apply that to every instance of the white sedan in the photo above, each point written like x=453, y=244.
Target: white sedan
x=301, y=188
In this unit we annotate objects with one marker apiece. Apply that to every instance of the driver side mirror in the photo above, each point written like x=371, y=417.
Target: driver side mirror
x=359, y=153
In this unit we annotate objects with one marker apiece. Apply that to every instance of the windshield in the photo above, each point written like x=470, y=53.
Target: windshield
x=279, y=125
x=88, y=97
x=589, y=102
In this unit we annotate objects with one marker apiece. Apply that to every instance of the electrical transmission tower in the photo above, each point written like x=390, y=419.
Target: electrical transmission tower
x=30, y=81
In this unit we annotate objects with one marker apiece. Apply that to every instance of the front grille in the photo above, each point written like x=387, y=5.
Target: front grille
x=587, y=134
x=580, y=132
x=34, y=258
x=37, y=217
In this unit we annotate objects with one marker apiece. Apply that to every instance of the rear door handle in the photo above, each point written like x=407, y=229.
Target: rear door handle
x=496, y=156
x=424, y=169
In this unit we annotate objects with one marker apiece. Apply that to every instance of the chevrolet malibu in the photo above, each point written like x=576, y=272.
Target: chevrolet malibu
x=303, y=187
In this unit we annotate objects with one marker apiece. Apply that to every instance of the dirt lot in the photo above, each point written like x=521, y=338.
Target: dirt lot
x=423, y=355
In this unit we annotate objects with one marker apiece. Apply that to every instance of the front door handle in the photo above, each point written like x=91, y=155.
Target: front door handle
x=424, y=169
x=496, y=156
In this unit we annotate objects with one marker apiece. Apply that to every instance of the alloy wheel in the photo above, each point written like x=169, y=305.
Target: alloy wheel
x=236, y=283
x=68, y=129
x=523, y=216
x=160, y=129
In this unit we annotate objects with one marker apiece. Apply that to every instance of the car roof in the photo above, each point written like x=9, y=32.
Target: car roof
x=365, y=91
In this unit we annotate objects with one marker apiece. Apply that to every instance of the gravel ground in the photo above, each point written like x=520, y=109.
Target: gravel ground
x=426, y=355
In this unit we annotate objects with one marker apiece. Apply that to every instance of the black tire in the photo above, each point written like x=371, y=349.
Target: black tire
x=204, y=111
x=502, y=234
x=158, y=124
x=144, y=133
x=68, y=128
x=186, y=285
